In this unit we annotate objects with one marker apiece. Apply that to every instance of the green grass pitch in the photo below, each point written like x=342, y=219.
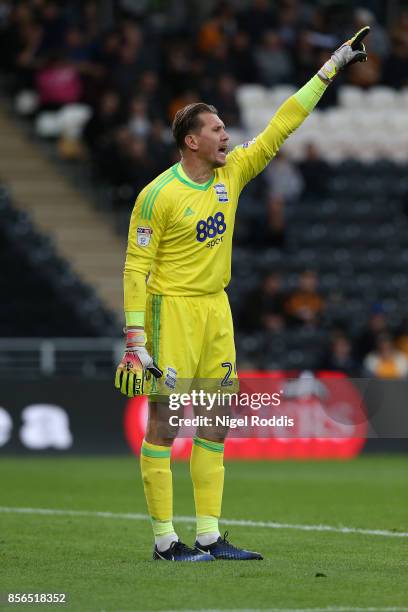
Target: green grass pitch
x=103, y=563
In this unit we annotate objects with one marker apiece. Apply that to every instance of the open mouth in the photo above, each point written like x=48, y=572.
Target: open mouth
x=222, y=149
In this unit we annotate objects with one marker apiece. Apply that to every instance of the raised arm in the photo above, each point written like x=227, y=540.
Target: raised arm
x=252, y=157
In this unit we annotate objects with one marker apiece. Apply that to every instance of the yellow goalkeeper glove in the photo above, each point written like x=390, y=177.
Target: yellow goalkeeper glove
x=131, y=370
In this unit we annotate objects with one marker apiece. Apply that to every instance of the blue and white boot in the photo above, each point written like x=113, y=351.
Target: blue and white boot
x=222, y=549
x=180, y=552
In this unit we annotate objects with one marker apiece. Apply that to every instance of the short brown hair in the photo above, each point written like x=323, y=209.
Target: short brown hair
x=187, y=120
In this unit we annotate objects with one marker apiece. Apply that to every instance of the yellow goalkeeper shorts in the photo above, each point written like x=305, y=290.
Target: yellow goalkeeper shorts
x=192, y=340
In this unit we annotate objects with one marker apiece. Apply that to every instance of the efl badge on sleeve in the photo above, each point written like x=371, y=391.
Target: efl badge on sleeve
x=221, y=192
x=247, y=144
x=143, y=236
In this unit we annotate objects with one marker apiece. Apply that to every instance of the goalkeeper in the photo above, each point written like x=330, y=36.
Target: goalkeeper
x=179, y=325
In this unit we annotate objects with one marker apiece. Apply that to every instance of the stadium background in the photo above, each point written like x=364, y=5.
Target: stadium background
x=89, y=90
x=320, y=284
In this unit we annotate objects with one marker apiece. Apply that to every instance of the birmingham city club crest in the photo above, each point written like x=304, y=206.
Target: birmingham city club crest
x=221, y=192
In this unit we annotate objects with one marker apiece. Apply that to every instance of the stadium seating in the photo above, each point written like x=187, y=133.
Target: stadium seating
x=68, y=121
x=365, y=126
x=42, y=296
x=355, y=236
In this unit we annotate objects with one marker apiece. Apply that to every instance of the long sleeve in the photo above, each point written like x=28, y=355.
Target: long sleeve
x=146, y=227
x=253, y=156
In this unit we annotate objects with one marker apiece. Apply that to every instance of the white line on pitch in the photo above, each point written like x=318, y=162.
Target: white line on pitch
x=191, y=519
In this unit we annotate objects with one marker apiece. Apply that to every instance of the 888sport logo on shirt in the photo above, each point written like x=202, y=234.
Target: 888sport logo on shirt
x=211, y=229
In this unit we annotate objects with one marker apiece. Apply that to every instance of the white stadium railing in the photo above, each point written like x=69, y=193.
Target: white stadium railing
x=28, y=358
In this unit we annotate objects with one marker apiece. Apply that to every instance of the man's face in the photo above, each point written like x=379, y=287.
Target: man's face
x=211, y=141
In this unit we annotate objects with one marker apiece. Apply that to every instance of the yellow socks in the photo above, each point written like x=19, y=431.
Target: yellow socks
x=158, y=488
x=207, y=473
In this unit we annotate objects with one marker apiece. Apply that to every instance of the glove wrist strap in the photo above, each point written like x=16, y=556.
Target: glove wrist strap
x=329, y=70
x=135, y=338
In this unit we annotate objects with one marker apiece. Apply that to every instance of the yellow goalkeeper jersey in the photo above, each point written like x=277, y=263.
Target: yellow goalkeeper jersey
x=180, y=233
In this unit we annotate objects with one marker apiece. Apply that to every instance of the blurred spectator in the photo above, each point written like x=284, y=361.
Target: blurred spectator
x=90, y=19
x=158, y=145
x=218, y=28
x=138, y=123
x=177, y=65
x=265, y=305
x=315, y=172
x=284, y=186
x=139, y=168
x=76, y=47
x=132, y=59
x=28, y=58
x=12, y=38
x=154, y=94
x=377, y=324
x=305, y=58
x=339, y=357
x=218, y=63
x=105, y=119
x=58, y=83
x=187, y=97
x=386, y=361
x=283, y=178
x=79, y=52
x=305, y=305
x=224, y=99
x=273, y=61
x=395, y=68
x=111, y=156
x=107, y=51
x=365, y=78
x=289, y=18
x=273, y=232
x=378, y=42
x=257, y=19
x=129, y=166
x=242, y=59
x=54, y=24
x=226, y=11
x=132, y=35
x=327, y=22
